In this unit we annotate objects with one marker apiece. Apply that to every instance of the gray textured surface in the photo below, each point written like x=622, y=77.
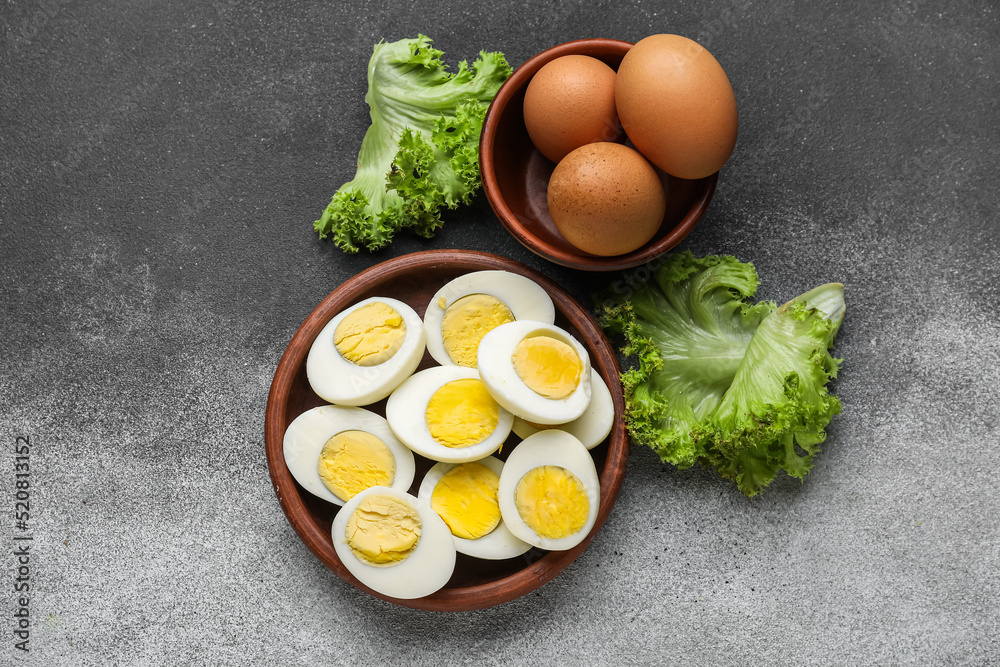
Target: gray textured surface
x=161, y=167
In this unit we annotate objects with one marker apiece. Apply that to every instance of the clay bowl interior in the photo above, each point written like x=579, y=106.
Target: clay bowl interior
x=413, y=279
x=515, y=175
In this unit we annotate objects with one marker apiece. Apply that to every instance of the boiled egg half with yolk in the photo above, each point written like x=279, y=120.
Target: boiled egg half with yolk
x=536, y=370
x=590, y=428
x=445, y=413
x=465, y=496
x=335, y=452
x=549, y=491
x=394, y=543
x=365, y=351
x=467, y=307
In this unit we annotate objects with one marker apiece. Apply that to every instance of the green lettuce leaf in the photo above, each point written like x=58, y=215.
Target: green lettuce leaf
x=421, y=153
x=689, y=328
x=774, y=413
x=722, y=381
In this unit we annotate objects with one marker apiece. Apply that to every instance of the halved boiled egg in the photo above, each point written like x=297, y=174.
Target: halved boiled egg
x=549, y=491
x=335, y=452
x=394, y=543
x=365, y=351
x=590, y=428
x=464, y=309
x=465, y=496
x=536, y=370
x=445, y=413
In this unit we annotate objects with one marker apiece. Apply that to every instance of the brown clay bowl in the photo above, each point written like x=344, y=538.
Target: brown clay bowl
x=515, y=175
x=413, y=279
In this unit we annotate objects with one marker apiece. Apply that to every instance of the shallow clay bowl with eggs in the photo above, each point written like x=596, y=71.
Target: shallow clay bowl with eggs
x=515, y=175
x=413, y=279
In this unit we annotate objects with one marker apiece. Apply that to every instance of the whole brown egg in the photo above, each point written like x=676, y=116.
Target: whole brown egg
x=570, y=102
x=606, y=199
x=677, y=105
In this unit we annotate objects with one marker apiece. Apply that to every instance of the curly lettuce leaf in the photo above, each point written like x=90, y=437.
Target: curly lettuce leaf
x=737, y=386
x=421, y=152
x=689, y=328
x=774, y=413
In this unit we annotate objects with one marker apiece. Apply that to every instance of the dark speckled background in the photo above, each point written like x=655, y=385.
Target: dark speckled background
x=162, y=164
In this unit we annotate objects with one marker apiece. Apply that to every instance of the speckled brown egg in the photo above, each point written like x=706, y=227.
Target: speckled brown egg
x=570, y=102
x=606, y=199
x=677, y=105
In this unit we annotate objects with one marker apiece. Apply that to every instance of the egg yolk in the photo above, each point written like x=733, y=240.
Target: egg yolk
x=552, y=501
x=466, y=321
x=383, y=530
x=370, y=335
x=466, y=498
x=352, y=461
x=549, y=367
x=462, y=413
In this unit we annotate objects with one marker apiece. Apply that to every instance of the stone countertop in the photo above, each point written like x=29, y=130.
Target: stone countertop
x=162, y=166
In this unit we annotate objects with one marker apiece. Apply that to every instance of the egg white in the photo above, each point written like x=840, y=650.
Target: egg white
x=306, y=435
x=556, y=448
x=524, y=297
x=405, y=411
x=337, y=380
x=499, y=543
x=590, y=428
x=497, y=371
x=428, y=567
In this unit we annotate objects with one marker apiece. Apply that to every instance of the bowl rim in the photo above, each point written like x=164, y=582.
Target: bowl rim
x=519, y=78
x=537, y=571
